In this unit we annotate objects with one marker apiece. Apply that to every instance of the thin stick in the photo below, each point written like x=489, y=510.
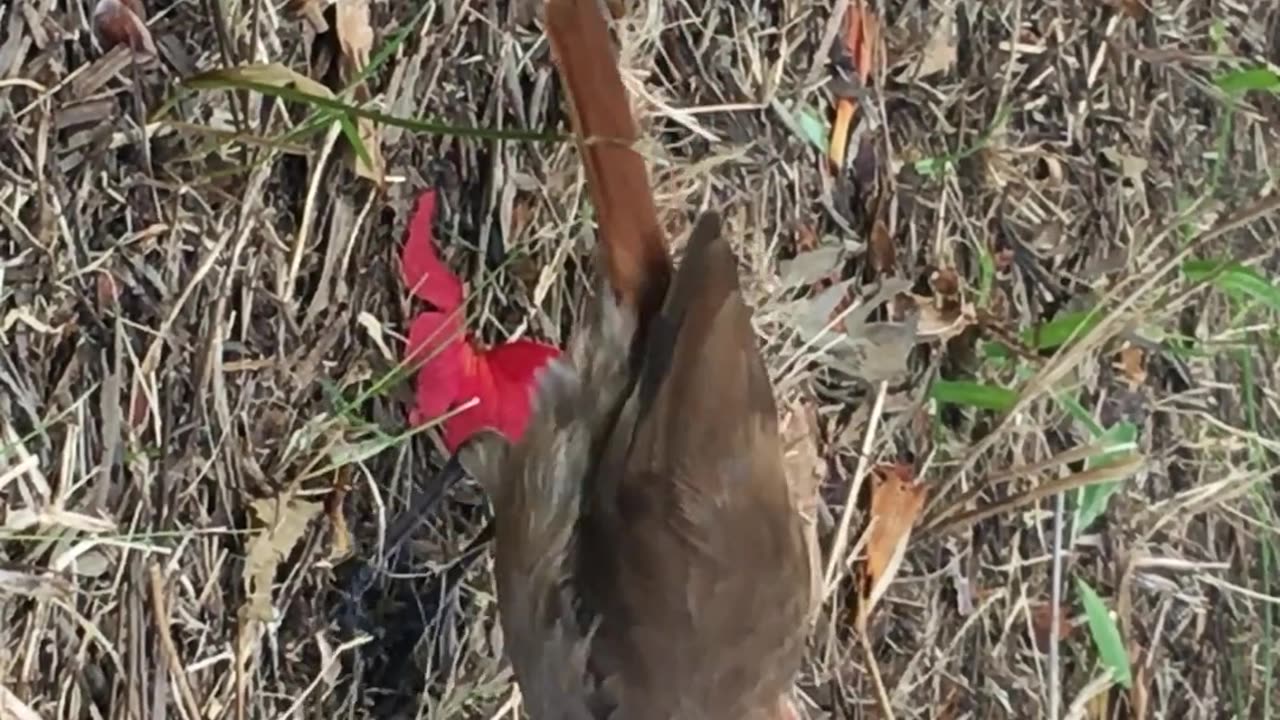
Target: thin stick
x=1055, y=610
x=882, y=695
x=160, y=617
x=835, y=566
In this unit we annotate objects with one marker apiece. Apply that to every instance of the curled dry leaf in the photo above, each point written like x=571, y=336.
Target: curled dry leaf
x=861, y=40
x=881, y=248
x=896, y=501
x=285, y=520
x=123, y=22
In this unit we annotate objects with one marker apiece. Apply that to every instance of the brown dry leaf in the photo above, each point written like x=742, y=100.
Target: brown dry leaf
x=1042, y=624
x=355, y=40
x=896, y=501
x=285, y=520
x=1132, y=364
x=340, y=546
x=861, y=40
x=880, y=247
x=945, y=283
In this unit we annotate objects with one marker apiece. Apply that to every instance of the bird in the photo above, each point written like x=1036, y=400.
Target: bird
x=651, y=561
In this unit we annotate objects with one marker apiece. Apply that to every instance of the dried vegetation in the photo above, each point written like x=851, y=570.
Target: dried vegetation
x=203, y=446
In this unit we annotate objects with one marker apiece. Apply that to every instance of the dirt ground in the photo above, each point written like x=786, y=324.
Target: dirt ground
x=201, y=321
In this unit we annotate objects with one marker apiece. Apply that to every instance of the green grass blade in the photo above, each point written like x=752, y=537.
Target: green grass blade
x=1106, y=635
x=237, y=79
x=972, y=394
x=1061, y=329
x=1119, y=439
x=1238, y=82
x=1234, y=279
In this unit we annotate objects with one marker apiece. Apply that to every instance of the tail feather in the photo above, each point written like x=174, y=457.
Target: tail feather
x=635, y=254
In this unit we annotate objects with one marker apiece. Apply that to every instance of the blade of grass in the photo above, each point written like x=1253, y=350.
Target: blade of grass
x=238, y=79
x=1106, y=635
x=972, y=394
x=1092, y=500
x=1234, y=279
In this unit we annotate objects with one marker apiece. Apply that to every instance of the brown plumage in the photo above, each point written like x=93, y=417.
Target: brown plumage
x=651, y=562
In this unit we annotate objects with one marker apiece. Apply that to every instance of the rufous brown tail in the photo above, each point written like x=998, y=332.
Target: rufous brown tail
x=635, y=255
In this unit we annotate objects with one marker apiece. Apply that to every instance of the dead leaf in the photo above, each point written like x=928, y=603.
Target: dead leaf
x=896, y=501
x=878, y=352
x=1132, y=364
x=945, y=283
x=861, y=41
x=939, y=53
x=1042, y=624
x=942, y=320
x=881, y=248
x=809, y=267
x=340, y=547
x=285, y=520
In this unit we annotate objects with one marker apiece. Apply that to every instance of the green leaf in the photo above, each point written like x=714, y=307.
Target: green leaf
x=1062, y=328
x=813, y=128
x=277, y=81
x=932, y=166
x=1234, y=279
x=1092, y=500
x=972, y=394
x=1106, y=635
x=1238, y=82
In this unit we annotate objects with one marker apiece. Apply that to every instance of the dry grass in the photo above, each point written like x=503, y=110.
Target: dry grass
x=191, y=335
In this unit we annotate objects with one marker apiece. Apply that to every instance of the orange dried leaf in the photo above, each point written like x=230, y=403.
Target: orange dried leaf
x=896, y=501
x=840, y=132
x=861, y=42
x=1132, y=364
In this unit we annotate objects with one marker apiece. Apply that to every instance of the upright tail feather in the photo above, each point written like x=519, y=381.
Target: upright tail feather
x=635, y=252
